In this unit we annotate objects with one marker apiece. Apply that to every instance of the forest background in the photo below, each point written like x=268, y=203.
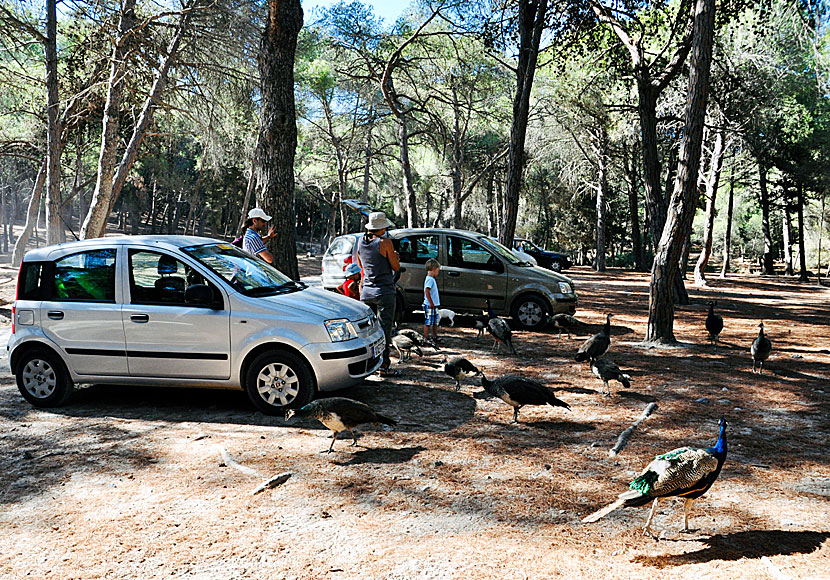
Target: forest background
x=629, y=134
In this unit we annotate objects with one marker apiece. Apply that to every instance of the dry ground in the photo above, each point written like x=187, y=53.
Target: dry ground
x=130, y=483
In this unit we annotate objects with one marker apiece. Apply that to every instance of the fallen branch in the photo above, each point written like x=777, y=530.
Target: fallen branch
x=267, y=484
x=273, y=482
x=622, y=440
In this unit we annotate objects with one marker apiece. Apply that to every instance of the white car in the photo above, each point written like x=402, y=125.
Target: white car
x=181, y=310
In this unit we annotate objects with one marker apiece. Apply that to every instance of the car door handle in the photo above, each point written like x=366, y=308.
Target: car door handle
x=454, y=274
x=140, y=317
x=55, y=315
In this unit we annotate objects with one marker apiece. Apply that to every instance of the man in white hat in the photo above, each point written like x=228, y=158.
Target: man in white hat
x=379, y=260
x=253, y=242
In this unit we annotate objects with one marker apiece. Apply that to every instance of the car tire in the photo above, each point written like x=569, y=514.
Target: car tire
x=530, y=312
x=278, y=380
x=556, y=266
x=42, y=378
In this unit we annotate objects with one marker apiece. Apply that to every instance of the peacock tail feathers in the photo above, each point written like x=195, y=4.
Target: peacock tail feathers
x=644, y=482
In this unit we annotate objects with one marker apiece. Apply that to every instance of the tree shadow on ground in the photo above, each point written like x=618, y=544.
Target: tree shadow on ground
x=749, y=544
x=560, y=426
x=382, y=455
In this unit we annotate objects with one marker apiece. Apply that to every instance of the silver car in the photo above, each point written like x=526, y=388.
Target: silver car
x=180, y=310
x=474, y=269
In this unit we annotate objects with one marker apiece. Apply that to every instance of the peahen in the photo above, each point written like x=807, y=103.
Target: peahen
x=565, y=322
x=457, y=367
x=339, y=414
x=405, y=347
x=501, y=333
x=760, y=349
x=483, y=319
x=597, y=345
x=686, y=472
x=518, y=391
x=714, y=324
x=606, y=370
x=417, y=338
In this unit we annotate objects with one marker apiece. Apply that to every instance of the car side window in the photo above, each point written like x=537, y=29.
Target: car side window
x=464, y=253
x=157, y=278
x=418, y=249
x=86, y=276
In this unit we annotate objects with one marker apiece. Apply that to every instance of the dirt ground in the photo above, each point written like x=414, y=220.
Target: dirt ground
x=131, y=482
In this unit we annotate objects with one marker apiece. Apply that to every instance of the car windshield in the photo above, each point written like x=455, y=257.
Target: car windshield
x=502, y=251
x=246, y=273
x=531, y=246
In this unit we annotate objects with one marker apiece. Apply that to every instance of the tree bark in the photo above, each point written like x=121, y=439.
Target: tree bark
x=95, y=224
x=802, y=254
x=634, y=210
x=683, y=201
x=767, y=265
x=602, y=198
x=31, y=216
x=249, y=188
x=278, y=128
x=367, y=163
x=712, y=182
x=727, y=236
x=787, y=228
x=531, y=24
x=408, y=188
x=53, y=131
x=112, y=107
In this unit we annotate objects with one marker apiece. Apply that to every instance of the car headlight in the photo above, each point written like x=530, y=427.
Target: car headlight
x=565, y=288
x=340, y=329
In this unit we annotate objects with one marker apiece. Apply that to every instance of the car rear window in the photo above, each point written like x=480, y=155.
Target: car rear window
x=341, y=246
x=30, y=281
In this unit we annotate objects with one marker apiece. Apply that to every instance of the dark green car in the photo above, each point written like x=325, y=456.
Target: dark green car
x=474, y=268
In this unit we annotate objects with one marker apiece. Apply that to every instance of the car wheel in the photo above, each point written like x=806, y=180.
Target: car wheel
x=43, y=379
x=279, y=380
x=556, y=266
x=530, y=312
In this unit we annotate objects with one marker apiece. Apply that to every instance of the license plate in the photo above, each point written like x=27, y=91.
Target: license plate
x=377, y=349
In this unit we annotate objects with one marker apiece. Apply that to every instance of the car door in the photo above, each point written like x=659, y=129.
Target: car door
x=82, y=315
x=414, y=250
x=165, y=337
x=472, y=275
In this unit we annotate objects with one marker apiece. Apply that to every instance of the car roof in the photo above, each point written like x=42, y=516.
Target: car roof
x=413, y=231
x=162, y=241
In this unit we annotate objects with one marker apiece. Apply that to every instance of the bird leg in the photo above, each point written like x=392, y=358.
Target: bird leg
x=333, y=439
x=515, y=414
x=687, y=507
x=354, y=437
x=457, y=384
x=647, y=528
x=606, y=392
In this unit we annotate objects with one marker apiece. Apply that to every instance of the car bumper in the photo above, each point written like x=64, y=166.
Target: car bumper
x=564, y=303
x=340, y=365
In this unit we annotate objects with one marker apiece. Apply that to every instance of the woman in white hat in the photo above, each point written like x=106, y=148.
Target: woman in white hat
x=379, y=260
x=253, y=242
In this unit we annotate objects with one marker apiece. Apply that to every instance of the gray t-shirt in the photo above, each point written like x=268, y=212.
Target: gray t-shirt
x=378, y=277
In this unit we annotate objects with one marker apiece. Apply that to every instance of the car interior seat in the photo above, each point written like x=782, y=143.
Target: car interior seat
x=167, y=283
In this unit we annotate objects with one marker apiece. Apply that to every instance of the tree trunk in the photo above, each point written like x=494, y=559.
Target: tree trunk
x=765, y=227
x=32, y=214
x=53, y=130
x=367, y=163
x=820, y=236
x=787, y=228
x=246, y=203
x=531, y=24
x=634, y=211
x=727, y=237
x=712, y=181
x=112, y=107
x=278, y=128
x=95, y=224
x=802, y=255
x=654, y=201
x=683, y=201
x=406, y=169
x=602, y=201
x=456, y=164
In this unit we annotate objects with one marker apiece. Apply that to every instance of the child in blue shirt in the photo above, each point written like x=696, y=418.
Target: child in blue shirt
x=431, y=299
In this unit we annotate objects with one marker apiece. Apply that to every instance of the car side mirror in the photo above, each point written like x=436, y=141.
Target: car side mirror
x=497, y=266
x=199, y=295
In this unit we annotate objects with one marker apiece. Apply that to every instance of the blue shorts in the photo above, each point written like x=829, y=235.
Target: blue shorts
x=430, y=316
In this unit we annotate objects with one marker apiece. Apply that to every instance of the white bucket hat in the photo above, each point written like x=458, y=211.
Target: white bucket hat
x=258, y=213
x=378, y=221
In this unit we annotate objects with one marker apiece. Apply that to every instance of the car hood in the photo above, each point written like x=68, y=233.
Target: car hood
x=544, y=275
x=321, y=303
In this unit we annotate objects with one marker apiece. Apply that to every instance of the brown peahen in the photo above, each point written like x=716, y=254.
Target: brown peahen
x=686, y=472
x=405, y=347
x=518, y=391
x=606, y=370
x=760, y=349
x=714, y=324
x=457, y=367
x=339, y=414
x=565, y=322
x=597, y=345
